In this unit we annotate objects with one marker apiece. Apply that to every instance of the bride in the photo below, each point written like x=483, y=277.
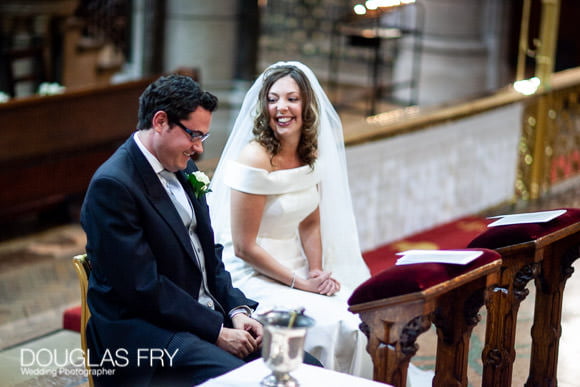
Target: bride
x=281, y=207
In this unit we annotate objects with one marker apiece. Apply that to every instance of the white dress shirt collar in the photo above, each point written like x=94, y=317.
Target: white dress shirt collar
x=155, y=164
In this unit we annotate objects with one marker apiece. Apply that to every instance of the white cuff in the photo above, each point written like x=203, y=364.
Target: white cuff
x=240, y=309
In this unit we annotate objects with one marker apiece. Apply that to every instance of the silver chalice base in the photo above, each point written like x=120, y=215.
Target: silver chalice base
x=279, y=379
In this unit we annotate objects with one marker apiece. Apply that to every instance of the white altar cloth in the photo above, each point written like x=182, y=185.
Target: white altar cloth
x=253, y=372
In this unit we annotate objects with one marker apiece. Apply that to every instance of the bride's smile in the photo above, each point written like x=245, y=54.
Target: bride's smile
x=285, y=107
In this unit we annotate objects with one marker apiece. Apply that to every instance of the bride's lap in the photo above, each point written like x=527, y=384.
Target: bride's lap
x=324, y=309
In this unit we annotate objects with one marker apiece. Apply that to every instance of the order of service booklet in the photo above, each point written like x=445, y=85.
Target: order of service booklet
x=528, y=217
x=456, y=257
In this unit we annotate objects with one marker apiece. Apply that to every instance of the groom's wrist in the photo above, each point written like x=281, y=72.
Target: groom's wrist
x=244, y=309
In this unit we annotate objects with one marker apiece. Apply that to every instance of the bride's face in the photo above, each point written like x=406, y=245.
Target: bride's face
x=285, y=107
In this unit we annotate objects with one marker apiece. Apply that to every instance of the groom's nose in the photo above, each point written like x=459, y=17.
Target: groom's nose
x=198, y=147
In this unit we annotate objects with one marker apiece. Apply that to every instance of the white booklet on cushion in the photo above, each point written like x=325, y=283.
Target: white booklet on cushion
x=529, y=217
x=456, y=257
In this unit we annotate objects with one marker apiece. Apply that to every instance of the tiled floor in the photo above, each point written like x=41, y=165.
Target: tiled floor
x=59, y=355
x=37, y=282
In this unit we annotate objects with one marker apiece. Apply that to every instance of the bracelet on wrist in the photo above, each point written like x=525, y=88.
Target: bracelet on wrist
x=293, y=280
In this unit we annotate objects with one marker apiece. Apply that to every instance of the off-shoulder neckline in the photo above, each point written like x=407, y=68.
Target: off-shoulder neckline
x=306, y=166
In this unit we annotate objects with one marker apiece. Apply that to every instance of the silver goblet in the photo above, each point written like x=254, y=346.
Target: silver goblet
x=283, y=344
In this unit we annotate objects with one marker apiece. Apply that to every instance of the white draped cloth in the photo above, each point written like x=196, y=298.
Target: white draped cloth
x=250, y=375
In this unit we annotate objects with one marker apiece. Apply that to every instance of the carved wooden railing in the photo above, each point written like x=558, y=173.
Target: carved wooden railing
x=393, y=324
x=548, y=261
x=556, y=269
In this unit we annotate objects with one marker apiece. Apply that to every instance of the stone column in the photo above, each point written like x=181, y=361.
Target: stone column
x=459, y=49
x=201, y=34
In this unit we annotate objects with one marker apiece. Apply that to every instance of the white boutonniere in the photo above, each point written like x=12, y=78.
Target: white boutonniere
x=199, y=182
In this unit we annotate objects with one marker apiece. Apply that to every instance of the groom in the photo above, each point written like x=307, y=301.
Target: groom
x=163, y=308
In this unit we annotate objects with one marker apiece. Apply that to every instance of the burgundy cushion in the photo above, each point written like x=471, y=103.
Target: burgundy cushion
x=71, y=319
x=404, y=279
x=512, y=234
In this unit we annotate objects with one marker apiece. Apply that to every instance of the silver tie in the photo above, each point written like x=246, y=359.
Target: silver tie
x=178, y=196
x=184, y=208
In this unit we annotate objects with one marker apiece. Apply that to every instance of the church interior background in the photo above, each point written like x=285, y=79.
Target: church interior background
x=435, y=124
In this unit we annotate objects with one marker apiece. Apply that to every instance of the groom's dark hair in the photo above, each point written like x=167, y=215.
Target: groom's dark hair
x=176, y=95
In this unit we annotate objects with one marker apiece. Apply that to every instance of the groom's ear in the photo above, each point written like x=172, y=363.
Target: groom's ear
x=160, y=121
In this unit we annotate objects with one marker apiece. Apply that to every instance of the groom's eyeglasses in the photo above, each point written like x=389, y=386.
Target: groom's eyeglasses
x=193, y=134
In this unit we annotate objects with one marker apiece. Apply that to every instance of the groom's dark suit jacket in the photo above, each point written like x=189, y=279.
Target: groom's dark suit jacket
x=145, y=282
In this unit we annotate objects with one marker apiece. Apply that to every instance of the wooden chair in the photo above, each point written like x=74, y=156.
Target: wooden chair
x=401, y=302
x=83, y=268
x=544, y=253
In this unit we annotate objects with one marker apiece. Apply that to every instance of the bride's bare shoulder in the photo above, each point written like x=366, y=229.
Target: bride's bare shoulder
x=255, y=155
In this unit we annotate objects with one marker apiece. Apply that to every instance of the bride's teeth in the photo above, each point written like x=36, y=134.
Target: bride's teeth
x=284, y=119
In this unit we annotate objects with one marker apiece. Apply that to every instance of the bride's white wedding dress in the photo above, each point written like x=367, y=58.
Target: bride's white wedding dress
x=292, y=194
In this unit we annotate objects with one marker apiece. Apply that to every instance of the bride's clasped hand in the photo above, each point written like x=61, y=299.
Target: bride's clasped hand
x=323, y=282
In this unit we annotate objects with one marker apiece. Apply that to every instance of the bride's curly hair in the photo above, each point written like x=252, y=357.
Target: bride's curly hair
x=264, y=135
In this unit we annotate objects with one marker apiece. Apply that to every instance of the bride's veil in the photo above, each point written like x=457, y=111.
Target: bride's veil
x=341, y=251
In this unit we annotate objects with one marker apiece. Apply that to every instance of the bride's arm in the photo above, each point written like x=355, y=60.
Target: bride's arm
x=311, y=240
x=309, y=231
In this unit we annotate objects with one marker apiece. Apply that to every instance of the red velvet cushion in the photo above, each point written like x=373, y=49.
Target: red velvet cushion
x=404, y=279
x=512, y=234
x=71, y=319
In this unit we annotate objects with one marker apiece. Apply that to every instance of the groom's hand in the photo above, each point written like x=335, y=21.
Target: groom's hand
x=238, y=342
x=255, y=328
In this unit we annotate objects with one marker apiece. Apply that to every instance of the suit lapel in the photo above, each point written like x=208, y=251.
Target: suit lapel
x=158, y=196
